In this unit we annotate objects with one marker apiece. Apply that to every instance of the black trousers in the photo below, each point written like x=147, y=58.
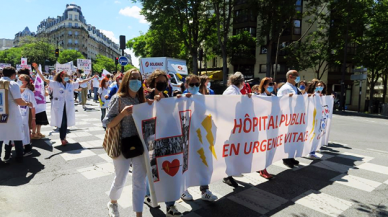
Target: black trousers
x=103, y=113
x=63, y=129
x=18, y=148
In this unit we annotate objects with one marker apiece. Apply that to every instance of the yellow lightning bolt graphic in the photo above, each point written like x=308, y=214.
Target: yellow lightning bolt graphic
x=201, y=153
x=199, y=135
x=207, y=124
x=312, y=131
x=314, y=114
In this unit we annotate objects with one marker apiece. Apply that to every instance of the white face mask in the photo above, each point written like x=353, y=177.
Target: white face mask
x=208, y=85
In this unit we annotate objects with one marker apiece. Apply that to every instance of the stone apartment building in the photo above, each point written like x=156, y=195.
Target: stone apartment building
x=71, y=31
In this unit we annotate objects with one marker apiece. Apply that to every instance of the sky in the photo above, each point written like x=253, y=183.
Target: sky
x=112, y=17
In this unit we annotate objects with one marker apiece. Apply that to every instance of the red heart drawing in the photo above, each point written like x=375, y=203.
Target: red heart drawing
x=171, y=168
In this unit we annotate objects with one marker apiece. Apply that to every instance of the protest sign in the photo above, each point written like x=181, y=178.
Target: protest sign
x=67, y=67
x=211, y=137
x=85, y=65
x=39, y=94
x=23, y=61
x=105, y=73
x=19, y=67
x=3, y=65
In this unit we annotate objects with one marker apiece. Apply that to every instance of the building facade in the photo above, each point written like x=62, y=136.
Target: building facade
x=6, y=43
x=71, y=31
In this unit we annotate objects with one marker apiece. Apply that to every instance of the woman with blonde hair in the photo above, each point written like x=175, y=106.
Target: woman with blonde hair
x=130, y=93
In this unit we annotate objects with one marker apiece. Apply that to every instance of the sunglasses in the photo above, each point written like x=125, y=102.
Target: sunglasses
x=271, y=84
x=194, y=84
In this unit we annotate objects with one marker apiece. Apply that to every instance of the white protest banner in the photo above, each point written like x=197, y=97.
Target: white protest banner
x=105, y=73
x=23, y=61
x=19, y=67
x=39, y=94
x=3, y=65
x=67, y=67
x=85, y=65
x=198, y=140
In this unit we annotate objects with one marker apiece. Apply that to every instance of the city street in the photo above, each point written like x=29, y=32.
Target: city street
x=351, y=178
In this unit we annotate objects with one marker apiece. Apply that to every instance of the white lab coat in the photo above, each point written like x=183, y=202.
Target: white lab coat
x=63, y=95
x=13, y=129
x=27, y=96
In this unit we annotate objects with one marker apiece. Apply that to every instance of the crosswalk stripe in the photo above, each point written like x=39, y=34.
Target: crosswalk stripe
x=356, y=182
x=77, y=154
x=374, y=168
x=356, y=157
x=341, y=168
x=324, y=203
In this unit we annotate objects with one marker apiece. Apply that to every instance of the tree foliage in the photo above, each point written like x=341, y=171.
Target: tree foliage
x=66, y=56
x=103, y=62
x=192, y=20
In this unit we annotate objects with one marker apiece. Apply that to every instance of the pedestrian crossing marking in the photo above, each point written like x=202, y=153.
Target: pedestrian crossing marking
x=356, y=182
x=356, y=157
x=324, y=203
x=341, y=168
x=374, y=168
x=77, y=154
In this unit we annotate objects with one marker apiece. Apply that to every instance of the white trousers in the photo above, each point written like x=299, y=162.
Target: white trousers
x=139, y=174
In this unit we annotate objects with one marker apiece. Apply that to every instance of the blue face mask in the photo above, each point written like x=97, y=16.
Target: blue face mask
x=134, y=85
x=318, y=89
x=270, y=89
x=66, y=79
x=193, y=90
x=302, y=87
x=297, y=80
x=20, y=83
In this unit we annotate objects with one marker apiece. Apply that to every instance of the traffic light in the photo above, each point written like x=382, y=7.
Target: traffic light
x=56, y=52
x=116, y=60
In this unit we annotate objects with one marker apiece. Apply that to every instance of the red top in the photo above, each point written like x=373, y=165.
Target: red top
x=246, y=89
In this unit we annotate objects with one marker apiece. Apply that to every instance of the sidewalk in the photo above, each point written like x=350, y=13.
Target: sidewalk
x=361, y=114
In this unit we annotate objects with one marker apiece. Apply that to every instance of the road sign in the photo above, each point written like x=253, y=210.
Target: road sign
x=123, y=61
x=358, y=77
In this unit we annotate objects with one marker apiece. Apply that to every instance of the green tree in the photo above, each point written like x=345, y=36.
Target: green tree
x=66, y=56
x=192, y=20
x=274, y=17
x=223, y=11
x=37, y=50
x=374, y=45
x=11, y=56
x=103, y=62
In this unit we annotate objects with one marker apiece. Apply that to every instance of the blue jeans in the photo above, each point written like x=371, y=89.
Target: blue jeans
x=95, y=91
x=168, y=204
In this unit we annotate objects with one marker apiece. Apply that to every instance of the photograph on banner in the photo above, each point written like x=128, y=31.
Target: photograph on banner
x=212, y=137
x=2, y=101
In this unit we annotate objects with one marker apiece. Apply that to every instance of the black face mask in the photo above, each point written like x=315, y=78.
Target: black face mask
x=161, y=86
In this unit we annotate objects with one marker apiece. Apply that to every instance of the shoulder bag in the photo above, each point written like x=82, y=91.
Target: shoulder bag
x=112, y=139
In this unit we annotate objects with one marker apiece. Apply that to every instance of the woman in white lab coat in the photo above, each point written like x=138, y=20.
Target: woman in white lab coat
x=63, y=108
x=12, y=129
x=27, y=88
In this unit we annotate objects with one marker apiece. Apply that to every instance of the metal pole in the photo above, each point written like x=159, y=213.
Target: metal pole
x=122, y=67
x=359, y=97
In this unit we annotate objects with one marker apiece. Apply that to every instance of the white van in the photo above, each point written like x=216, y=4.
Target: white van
x=175, y=68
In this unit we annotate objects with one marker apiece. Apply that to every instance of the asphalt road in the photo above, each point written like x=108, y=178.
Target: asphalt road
x=351, y=178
